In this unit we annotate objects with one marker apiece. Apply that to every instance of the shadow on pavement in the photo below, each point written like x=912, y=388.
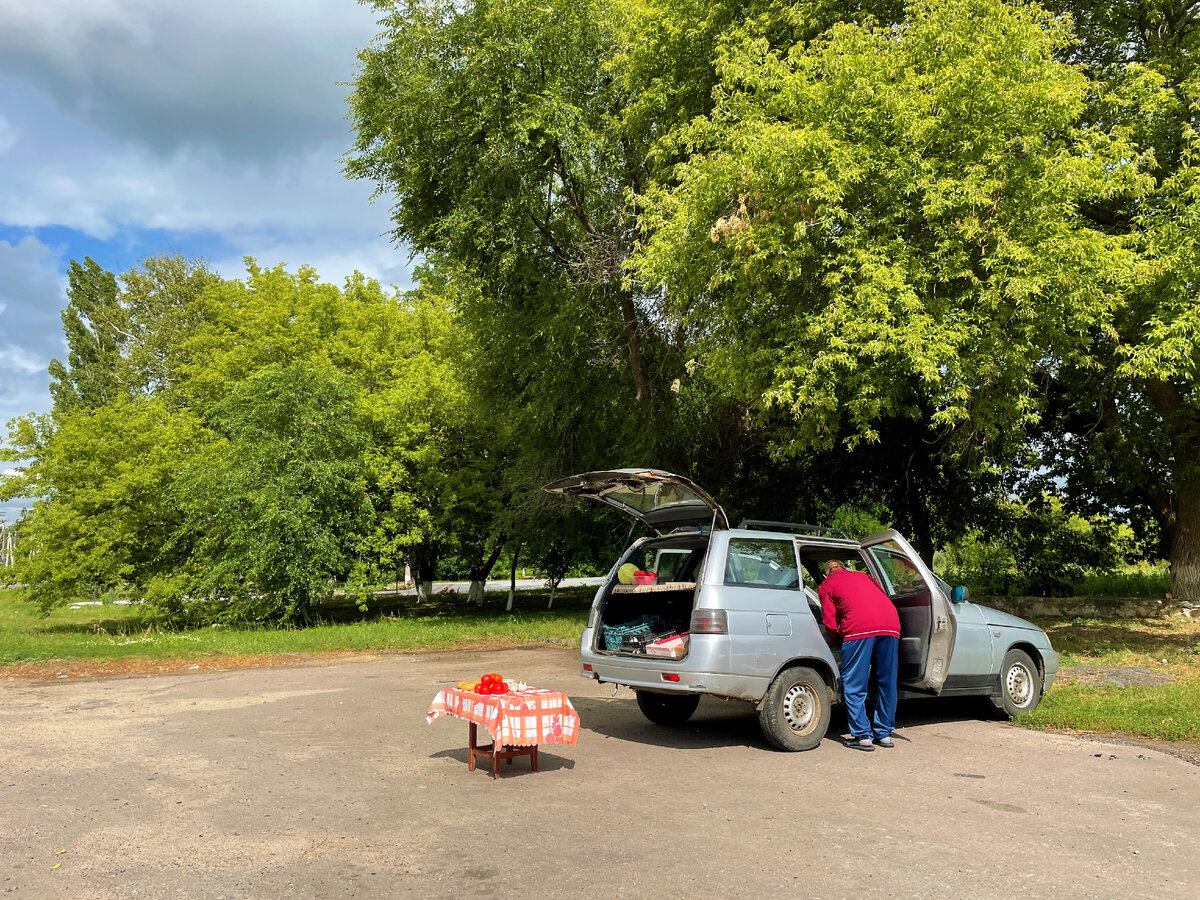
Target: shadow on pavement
x=719, y=723
x=715, y=724
x=547, y=762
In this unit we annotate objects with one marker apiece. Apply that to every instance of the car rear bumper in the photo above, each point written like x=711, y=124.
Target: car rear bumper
x=698, y=673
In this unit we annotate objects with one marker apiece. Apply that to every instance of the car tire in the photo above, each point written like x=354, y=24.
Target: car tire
x=796, y=709
x=1020, y=684
x=667, y=709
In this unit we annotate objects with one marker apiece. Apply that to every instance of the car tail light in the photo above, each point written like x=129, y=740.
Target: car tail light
x=710, y=621
x=667, y=676
x=587, y=667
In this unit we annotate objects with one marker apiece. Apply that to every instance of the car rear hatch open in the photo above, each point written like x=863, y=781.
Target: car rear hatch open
x=660, y=500
x=650, y=620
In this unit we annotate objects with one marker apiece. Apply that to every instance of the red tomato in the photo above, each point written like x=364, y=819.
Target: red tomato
x=496, y=679
x=503, y=688
x=478, y=688
x=487, y=680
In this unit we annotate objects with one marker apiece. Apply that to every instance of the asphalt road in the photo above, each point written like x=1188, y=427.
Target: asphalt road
x=326, y=781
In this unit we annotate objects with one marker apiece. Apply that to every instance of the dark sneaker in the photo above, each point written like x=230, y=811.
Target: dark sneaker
x=860, y=744
x=884, y=742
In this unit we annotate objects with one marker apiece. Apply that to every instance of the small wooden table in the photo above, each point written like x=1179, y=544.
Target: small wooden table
x=495, y=751
x=517, y=722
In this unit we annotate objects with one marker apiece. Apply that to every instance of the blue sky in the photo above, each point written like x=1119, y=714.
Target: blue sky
x=135, y=127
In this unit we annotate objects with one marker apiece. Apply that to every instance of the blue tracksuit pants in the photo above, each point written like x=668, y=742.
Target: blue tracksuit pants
x=861, y=659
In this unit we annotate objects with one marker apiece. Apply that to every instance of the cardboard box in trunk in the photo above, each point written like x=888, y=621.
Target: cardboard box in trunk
x=673, y=647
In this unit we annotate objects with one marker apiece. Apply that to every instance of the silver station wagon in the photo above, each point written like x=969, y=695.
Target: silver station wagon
x=700, y=608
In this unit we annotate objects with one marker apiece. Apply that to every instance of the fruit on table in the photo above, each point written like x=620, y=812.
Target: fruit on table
x=491, y=683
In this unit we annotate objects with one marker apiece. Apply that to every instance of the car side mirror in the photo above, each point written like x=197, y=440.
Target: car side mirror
x=960, y=595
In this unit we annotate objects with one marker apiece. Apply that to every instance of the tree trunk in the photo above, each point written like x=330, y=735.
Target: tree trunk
x=423, y=560
x=512, y=582
x=918, y=515
x=482, y=564
x=1185, y=547
x=553, y=591
x=641, y=384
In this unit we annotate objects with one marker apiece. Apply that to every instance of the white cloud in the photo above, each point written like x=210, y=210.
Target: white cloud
x=221, y=118
x=99, y=188
x=32, y=293
x=246, y=77
x=8, y=136
x=16, y=359
x=216, y=124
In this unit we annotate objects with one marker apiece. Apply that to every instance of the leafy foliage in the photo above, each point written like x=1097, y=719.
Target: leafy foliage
x=1038, y=548
x=881, y=222
x=263, y=439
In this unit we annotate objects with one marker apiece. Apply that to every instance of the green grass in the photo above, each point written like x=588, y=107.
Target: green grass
x=118, y=632
x=1169, y=646
x=1169, y=712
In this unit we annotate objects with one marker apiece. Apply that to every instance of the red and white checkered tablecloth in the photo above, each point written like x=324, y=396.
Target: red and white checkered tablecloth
x=518, y=718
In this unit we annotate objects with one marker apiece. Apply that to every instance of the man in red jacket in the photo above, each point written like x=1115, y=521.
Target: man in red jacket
x=853, y=606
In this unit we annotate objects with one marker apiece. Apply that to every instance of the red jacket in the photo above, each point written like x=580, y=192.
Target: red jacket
x=853, y=606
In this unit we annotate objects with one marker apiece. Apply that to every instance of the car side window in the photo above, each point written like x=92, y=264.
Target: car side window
x=900, y=576
x=762, y=563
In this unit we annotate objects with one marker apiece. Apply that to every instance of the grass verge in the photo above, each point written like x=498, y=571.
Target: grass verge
x=1093, y=652
x=106, y=633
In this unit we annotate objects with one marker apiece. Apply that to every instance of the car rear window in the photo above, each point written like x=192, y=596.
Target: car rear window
x=761, y=563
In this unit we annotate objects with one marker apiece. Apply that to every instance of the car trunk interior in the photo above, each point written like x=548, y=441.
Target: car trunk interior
x=634, y=616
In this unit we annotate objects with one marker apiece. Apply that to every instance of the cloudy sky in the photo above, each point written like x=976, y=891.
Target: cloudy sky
x=134, y=127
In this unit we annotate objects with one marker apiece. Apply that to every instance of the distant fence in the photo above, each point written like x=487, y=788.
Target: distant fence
x=1090, y=607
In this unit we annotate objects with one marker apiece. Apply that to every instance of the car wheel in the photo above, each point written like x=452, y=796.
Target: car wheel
x=1020, y=683
x=795, y=712
x=667, y=709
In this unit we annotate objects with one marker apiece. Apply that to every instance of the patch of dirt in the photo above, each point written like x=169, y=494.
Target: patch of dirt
x=52, y=669
x=1117, y=676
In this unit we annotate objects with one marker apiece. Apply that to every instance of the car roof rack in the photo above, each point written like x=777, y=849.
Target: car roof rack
x=794, y=528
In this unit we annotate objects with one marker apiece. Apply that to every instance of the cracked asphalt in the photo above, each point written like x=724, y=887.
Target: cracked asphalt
x=324, y=780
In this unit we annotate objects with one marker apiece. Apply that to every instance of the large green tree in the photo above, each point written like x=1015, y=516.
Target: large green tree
x=883, y=224
x=273, y=504
x=1128, y=430
x=99, y=479
x=491, y=123
x=98, y=468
